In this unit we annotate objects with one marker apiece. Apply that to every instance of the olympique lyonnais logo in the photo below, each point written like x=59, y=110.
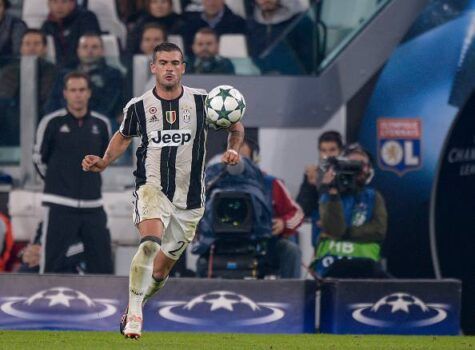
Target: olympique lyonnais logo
x=399, y=310
x=221, y=307
x=399, y=144
x=60, y=304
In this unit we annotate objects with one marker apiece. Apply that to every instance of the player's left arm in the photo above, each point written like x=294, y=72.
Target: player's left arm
x=235, y=139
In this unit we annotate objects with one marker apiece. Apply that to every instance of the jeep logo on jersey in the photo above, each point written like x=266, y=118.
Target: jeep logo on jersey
x=164, y=138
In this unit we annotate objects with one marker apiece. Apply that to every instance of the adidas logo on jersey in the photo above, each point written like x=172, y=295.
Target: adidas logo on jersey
x=64, y=128
x=164, y=138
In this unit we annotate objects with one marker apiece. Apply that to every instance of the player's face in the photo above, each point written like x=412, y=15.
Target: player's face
x=61, y=8
x=150, y=39
x=329, y=149
x=160, y=8
x=90, y=49
x=267, y=5
x=77, y=94
x=32, y=45
x=168, y=68
x=205, y=45
x=213, y=7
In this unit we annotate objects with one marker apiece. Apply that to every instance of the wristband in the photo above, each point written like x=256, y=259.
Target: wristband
x=233, y=151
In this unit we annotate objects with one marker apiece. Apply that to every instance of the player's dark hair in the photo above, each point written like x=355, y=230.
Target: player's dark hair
x=37, y=32
x=76, y=75
x=331, y=136
x=254, y=146
x=165, y=47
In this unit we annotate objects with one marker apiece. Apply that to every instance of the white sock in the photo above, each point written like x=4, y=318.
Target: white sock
x=153, y=288
x=141, y=273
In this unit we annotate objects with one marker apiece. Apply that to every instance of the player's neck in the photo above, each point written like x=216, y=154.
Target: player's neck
x=168, y=94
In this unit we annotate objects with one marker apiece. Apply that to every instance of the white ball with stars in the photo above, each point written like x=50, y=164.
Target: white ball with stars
x=225, y=106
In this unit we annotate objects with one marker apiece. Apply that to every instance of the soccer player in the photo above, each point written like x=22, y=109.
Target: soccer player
x=169, y=194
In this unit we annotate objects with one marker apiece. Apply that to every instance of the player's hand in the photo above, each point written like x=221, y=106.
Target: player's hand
x=230, y=157
x=278, y=226
x=94, y=164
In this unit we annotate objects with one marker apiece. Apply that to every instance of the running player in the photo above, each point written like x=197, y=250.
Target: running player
x=169, y=194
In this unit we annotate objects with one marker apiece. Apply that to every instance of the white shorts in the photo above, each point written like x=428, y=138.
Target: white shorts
x=179, y=224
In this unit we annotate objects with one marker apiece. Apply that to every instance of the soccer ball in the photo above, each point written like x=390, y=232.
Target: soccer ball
x=225, y=106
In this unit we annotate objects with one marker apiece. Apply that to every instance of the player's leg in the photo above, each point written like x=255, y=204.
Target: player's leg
x=177, y=237
x=151, y=215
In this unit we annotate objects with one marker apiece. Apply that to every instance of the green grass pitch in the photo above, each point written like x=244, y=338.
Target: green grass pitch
x=106, y=340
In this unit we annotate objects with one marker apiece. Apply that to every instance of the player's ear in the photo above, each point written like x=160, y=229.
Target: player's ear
x=183, y=68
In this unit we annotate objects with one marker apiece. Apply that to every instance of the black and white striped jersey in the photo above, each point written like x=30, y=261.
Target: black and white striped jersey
x=173, y=144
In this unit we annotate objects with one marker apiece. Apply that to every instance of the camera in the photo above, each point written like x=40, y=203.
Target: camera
x=346, y=172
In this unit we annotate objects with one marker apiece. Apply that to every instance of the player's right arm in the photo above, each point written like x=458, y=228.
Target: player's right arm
x=117, y=146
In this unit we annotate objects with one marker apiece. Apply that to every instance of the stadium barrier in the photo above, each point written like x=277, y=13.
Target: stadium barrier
x=65, y=302
x=424, y=307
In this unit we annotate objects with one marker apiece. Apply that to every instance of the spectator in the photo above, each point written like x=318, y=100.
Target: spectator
x=215, y=15
x=33, y=43
x=66, y=23
x=72, y=197
x=11, y=32
x=353, y=224
x=330, y=144
x=294, y=54
x=6, y=241
x=283, y=254
x=159, y=12
x=205, y=55
x=106, y=81
x=152, y=35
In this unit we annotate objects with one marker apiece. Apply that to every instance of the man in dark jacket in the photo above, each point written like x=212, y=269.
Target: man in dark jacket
x=106, y=81
x=294, y=53
x=72, y=198
x=11, y=32
x=66, y=23
x=215, y=15
x=205, y=55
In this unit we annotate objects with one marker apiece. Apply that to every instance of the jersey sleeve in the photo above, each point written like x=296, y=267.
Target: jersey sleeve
x=130, y=124
x=286, y=208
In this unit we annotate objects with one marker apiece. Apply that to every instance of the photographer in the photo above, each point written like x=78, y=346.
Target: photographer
x=353, y=219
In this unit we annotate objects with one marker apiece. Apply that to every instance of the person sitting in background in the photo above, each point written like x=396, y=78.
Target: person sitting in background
x=106, y=81
x=295, y=53
x=353, y=224
x=152, y=35
x=33, y=44
x=159, y=12
x=11, y=32
x=215, y=15
x=205, y=58
x=283, y=255
x=66, y=23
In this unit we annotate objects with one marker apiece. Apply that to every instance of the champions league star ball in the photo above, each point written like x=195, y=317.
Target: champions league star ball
x=224, y=106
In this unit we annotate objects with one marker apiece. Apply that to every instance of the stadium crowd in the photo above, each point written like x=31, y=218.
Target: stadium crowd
x=74, y=39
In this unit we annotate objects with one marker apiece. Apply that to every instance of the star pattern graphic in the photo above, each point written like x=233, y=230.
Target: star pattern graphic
x=224, y=93
x=399, y=304
x=222, y=303
x=59, y=299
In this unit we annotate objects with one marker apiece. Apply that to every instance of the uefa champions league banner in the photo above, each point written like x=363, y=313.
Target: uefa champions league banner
x=96, y=303
x=423, y=307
